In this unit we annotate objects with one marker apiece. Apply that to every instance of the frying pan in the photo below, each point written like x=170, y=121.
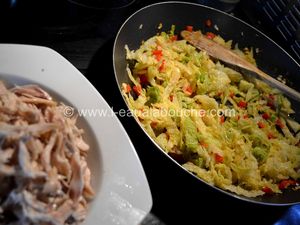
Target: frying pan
x=271, y=58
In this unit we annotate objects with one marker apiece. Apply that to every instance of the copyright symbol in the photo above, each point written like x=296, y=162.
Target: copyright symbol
x=68, y=111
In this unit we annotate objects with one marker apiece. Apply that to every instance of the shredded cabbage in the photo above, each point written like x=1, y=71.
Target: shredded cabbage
x=242, y=153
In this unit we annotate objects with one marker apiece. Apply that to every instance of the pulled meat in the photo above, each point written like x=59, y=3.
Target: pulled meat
x=43, y=169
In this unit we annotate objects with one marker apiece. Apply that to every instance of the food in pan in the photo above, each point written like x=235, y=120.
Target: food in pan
x=231, y=133
x=44, y=174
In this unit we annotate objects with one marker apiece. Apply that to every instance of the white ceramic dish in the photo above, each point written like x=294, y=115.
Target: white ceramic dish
x=123, y=195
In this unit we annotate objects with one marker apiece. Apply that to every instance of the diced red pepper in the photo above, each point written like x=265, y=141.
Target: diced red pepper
x=238, y=117
x=174, y=38
x=203, y=144
x=266, y=116
x=270, y=136
x=270, y=101
x=188, y=90
x=272, y=97
x=162, y=66
x=143, y=79
x=242, y=104
x=137, y=89
x=189, y=28
x=157, y=54
x=208, y=23
x=267, y=190
x=261, y=124
x=127, y=88
x=279, y=123
x=220, y=93
x=210, y=35
x=231, y=94
x=246, y=116
x=222, y=119
x=171, y=97
x=286, y=183
x=153, y=124
x=219, y=158
x=270, y=104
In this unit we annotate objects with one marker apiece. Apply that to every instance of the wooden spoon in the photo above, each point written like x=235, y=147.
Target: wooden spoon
x=221, y=53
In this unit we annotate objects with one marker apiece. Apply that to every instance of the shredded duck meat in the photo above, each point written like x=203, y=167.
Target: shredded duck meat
x=44, y=174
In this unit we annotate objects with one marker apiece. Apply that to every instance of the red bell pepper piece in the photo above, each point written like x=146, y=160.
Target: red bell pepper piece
x=137, y=89
x=219, y=158
x=162, y=66
x=261, y=124
x=279, y=123
x=210, y=35
x=203, y=144
x=242, y=104
x=266, y=116
x=272, y=97
x=127, y=88
x=267, y=190
x=157, y=54
x=174, y=38
x=153, y=124
x=143, y=79
x=189, y=28
x=286, y=183
x=270, y=136
x=222, y=119
x=188, y=90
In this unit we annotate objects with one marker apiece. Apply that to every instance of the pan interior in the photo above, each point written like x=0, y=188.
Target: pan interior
x=144, y=24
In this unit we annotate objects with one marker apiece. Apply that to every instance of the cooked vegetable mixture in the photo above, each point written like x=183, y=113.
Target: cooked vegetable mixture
x=251, y=151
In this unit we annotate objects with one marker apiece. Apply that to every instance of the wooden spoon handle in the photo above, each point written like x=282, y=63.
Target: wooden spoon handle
x=219, y=52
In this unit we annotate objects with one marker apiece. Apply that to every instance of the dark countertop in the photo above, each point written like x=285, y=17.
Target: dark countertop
x=177, y=199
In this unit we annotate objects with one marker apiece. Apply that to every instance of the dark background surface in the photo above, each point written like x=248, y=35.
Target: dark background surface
x=85, y=37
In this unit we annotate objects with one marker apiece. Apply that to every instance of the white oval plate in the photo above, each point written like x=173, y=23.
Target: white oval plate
x=122, y=192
